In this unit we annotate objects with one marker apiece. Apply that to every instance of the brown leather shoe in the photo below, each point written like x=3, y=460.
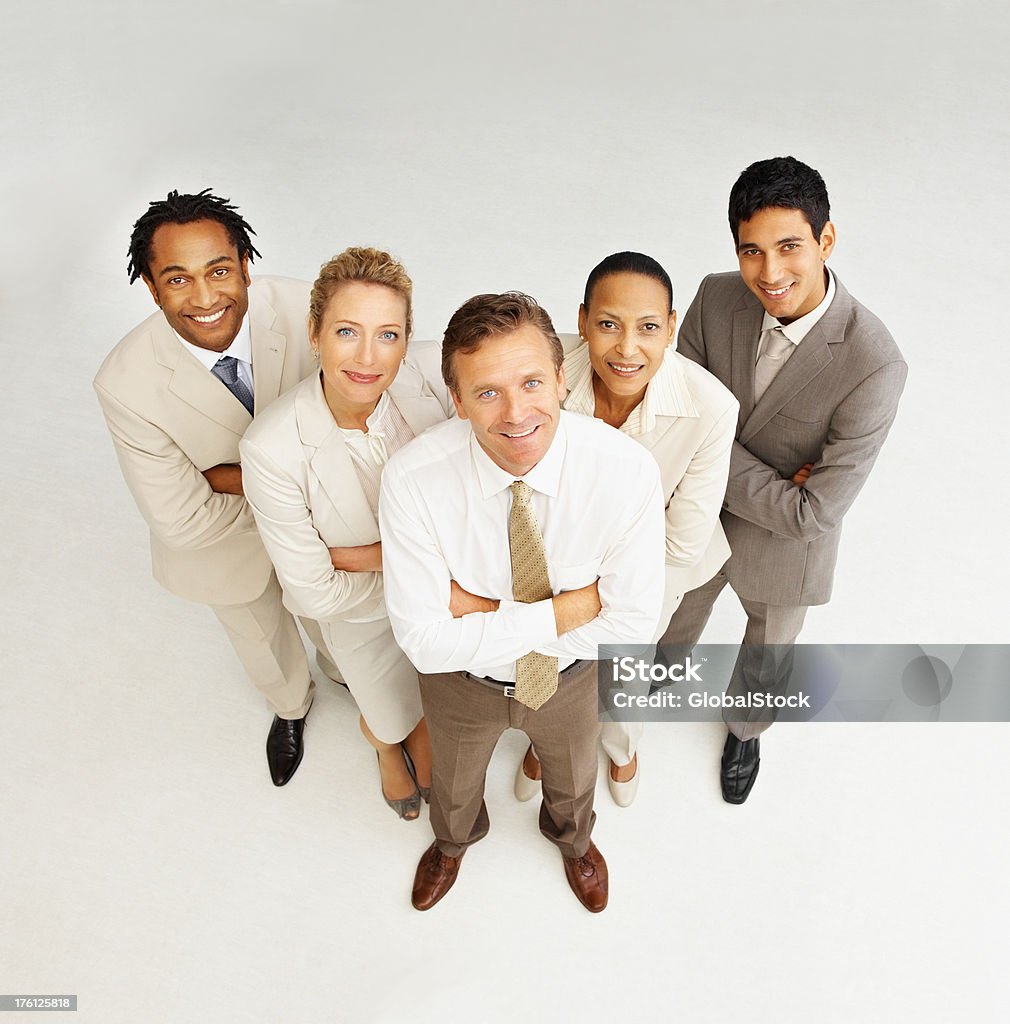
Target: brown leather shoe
x=587, y=875
x=434, y=877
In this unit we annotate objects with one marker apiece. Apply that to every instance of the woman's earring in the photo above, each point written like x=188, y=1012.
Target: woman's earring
x=315, y=354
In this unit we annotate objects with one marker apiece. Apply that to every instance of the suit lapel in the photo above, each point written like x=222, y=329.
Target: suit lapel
x=419, y=409
x=268, y=348
x=809, y=360
x=746, y=333
x=196, y=385
x=330, y=461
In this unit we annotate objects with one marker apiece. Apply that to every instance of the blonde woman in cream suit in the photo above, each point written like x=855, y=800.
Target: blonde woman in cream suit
x=312, y=465
x=623, y=369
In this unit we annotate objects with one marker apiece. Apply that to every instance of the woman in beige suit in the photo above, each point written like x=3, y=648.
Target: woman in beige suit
x=623, y=369
x=311, y=468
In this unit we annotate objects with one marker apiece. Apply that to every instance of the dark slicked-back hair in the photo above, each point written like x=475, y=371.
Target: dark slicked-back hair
x=184, y=209
x=488, y=316
x=781, y=181
x=628, y=263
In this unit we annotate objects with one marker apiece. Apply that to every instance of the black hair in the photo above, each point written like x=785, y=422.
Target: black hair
x=628, y=263
x=781, y=181
x=184, y=209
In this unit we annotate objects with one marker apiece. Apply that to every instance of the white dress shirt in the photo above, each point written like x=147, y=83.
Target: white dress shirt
x=443, y=515
x=240, y=349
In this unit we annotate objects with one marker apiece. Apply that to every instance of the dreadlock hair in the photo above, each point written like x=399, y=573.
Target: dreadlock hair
x=184, y=209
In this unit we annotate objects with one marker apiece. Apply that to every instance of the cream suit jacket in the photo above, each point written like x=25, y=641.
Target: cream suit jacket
x=693, y=452
x=171, y=419
x=832, y=404
x=301, y=481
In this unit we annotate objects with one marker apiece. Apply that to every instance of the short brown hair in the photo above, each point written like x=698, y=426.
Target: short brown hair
x=491, y=315
x=358, y=263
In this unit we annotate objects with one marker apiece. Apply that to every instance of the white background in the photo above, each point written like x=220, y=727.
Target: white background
x=150, y=866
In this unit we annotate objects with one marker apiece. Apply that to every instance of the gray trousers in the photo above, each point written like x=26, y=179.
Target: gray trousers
x=765, y=659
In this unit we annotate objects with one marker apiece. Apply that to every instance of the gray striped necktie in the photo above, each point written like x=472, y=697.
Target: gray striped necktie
x=536, y=674
x=226, y=371
x=771, y=360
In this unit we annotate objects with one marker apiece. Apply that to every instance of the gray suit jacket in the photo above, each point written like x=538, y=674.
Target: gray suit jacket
x=170, y=420
x=832, y=404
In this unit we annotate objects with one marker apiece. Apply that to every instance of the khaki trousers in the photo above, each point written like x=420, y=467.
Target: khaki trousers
x=267, y=642
x=465, y=719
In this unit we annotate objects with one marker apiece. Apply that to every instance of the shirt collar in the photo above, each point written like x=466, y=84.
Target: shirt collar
x=667, y=393
x=375, y=421
x=544, y=477
x=800, y=328
x=240, y=348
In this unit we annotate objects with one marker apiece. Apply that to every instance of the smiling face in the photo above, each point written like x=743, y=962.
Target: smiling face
x=782, y=263
x=628, y=327
x=361, y=342
x=198, y=280
x=511, y=393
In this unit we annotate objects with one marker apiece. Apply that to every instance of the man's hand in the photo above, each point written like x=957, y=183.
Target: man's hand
x=575, y=608
x=365, y=558
x=462, y=602
x=800, y=476
x=225, y=478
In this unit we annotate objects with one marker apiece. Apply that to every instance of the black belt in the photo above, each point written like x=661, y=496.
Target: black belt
x=509, y=689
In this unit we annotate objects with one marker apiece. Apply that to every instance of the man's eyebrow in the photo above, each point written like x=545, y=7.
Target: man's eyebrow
x=175, y=268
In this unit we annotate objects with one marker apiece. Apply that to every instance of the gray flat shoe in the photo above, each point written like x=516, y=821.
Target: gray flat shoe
x=408, y=807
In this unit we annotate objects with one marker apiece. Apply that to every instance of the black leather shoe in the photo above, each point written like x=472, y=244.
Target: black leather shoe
x=284, y=748
x=740, y=762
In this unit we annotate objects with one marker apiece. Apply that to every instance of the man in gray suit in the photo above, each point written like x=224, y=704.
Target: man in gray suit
x=818, y=379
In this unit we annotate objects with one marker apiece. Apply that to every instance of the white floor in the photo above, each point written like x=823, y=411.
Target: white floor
x=148, y=865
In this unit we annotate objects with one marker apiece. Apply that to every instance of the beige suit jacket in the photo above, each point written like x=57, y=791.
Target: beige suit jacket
x=692, y=449
x=171, y=419
x=307, y=498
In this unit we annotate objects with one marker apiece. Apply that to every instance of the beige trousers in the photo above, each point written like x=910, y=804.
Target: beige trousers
x=267, y=642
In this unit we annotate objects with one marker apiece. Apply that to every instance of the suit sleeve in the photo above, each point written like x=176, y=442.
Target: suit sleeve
x=300, y=556
x=697, y=500
x=417, y=595
x=179, y=506
x=691, y=339
x=756, y=492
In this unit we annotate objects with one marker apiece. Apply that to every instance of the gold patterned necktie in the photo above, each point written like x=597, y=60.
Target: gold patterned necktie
x=536, y=674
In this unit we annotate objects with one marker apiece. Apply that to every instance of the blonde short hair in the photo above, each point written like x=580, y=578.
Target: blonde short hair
x=359, y=263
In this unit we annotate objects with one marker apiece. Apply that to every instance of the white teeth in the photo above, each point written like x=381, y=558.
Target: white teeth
x=212, y=319
x=625, y=367
x=526, y=434
x=779, y=291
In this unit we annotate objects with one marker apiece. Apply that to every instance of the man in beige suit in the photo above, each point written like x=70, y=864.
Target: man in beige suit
x=178, y=393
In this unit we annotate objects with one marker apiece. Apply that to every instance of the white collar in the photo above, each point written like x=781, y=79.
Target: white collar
x=544, y=477
x=665, y=395
x=240, y=348
x=801, y=327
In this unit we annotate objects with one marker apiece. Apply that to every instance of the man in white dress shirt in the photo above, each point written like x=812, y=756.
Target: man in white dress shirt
x=505, y=571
